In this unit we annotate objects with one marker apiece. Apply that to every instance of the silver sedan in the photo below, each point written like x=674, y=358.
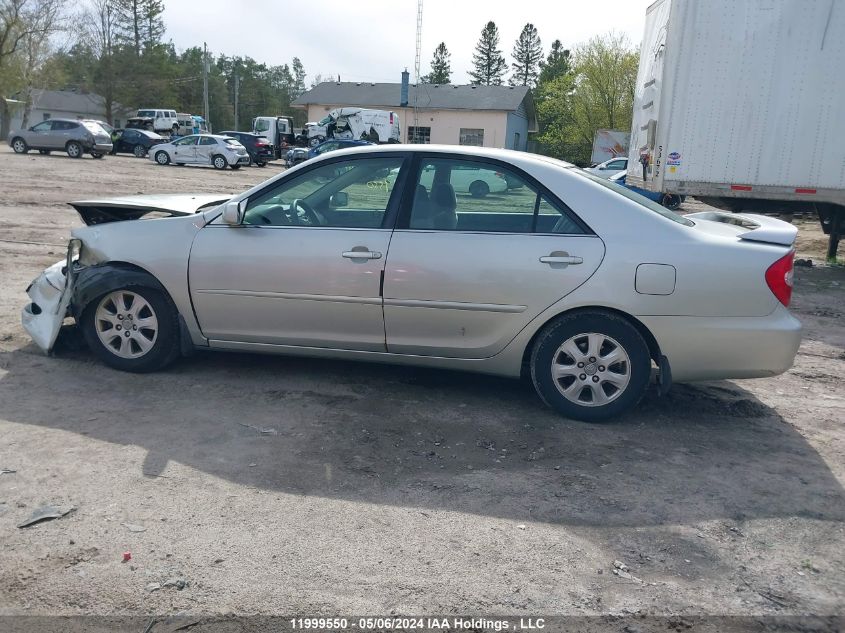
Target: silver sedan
x=374, y=254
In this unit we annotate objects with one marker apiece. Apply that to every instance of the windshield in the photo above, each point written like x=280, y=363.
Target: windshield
x=147, y=113
x=262, y=125
x=641, y=200
x=326, y=121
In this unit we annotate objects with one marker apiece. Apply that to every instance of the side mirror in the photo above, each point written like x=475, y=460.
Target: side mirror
x=233, y=212
x=340, y=199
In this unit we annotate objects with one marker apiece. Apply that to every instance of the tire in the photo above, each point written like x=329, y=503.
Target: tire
x=235, y=167
x=671, y=201
x=219, y=162
x=314, y=142
x=479, y=189
x=262, y=163
x=146, y=349
x=140, y=151
x=162, y=157
x=44, y=152
x=590, y=335
x=96, y=155
x=74, y=149
x=19, y=145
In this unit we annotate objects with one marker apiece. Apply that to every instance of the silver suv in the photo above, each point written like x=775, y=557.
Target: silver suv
x=74, y=137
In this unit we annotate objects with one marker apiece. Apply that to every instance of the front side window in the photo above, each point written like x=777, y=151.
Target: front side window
x=327, y=147
x=188, y=140
x=45, y=126
x=471, y=136
x=616, y=164
x=347, y=194
x=262, y=125
x=454, y=194
x=147, y=113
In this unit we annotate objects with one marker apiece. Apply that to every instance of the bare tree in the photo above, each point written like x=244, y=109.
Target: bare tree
x=25, y=30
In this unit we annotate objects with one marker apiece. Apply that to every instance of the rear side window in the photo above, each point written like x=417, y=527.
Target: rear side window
x=207, y=140
x=454, y=194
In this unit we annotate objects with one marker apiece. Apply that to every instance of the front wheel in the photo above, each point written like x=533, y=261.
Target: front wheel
x=132, y=329
x=590, y=366
x=74, y=149
x=20, y=146
x=479, y=189
x=162, y=158
x=219, y=162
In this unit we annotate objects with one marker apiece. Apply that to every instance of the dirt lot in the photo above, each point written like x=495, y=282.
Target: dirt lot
x=285, y=486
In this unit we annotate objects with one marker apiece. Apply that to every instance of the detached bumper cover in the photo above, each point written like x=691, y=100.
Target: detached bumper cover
x=713, y=348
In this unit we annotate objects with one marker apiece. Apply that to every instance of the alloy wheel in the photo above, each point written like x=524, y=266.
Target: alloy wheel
x=126, y=324
x=591, y=369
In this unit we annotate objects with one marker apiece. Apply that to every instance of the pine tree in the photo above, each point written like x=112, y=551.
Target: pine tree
x=441, y=67
x=488, y=62
x=527, y=55
x=557, y=63
x=299, y=78
x=129, y=23
x=153, y=31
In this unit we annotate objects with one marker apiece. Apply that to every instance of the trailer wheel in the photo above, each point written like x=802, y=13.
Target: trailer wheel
x=671, y=201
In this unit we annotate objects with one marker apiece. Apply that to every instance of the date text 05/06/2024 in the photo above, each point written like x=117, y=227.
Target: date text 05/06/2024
x=418, y=623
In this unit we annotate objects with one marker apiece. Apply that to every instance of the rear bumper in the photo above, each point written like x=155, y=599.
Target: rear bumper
x=714, y=348
x=104, y=148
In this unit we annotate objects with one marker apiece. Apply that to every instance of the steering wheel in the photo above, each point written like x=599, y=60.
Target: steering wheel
x=307, y=217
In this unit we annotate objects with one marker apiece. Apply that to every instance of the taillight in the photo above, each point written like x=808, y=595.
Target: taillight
x=779, y=278
x=391, y=118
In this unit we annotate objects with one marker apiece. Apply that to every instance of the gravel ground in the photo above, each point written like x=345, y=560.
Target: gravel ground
x=289, y=486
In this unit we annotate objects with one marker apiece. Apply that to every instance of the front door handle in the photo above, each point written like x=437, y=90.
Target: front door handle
x=361, y=252
x=561, y=257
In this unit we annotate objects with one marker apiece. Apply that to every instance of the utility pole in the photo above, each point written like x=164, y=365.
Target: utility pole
x=417, y=64
x=205, y=84
x=237, y=84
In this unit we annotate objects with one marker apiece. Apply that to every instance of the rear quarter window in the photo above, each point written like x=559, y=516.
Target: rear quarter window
x=641, y=200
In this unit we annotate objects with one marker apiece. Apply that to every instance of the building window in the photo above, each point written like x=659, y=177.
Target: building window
x=471, y=136
x=419, y=135
x=516, y=141
x=46, y=116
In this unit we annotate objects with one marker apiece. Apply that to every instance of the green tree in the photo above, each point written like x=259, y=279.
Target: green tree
x=441, y=66
x=298, y=85
x=153, y=29
x=527, y=55
x=488, y=63
x=557, y=63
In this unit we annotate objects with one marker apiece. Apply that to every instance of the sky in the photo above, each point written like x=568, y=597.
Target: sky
x=374, y=40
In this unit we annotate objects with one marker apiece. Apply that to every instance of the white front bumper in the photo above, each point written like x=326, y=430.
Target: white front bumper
x=43, y=317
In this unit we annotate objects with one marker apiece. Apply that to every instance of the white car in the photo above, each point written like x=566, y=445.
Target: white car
x=202, y=149
x=163, y=120
x=609, y=167
x=475, y=181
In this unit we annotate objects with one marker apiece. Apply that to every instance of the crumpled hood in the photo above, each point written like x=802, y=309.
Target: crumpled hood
x=102, y=210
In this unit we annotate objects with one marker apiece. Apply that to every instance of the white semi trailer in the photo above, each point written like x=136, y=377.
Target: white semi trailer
x=742, y=103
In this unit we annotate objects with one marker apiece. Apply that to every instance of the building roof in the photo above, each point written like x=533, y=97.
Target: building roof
x=71, y=101
x=428, y=96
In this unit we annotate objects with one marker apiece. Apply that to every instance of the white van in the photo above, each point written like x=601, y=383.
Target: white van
x=359, y=124
x=163, y=120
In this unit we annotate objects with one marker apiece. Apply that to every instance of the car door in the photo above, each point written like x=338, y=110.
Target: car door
x=128, y=140
x=185, y=150
x=465, y=274
x=305, y=266
x=39, y=135
x=206, y=147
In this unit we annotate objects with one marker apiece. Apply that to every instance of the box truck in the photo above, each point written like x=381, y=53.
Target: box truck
x=741, y=103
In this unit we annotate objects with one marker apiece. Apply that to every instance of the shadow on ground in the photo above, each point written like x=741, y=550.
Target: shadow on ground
x=434, y=439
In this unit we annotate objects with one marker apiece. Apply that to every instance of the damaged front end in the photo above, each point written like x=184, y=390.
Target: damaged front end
x=51, y=294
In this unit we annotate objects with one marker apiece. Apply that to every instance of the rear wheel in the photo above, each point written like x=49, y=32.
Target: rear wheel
x=96, y=154
x=671, y=201
x=133, y=329
x=219, y=162
x=139, y=151
x=162, y=158
x=74, y=149
x=479, y=189
x=20, y=146
x=590, y=366
x=235, y=167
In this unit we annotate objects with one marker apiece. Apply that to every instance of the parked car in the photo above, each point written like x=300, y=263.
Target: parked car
x=136, y=142
x=259, y=150
x=295, y=155
x=202, y=149
x=473, y=180
x=551, y=283
x=164, y=121
x=106, y=126
x=669, y=200
x=74, y=137
x=334, y=144
x=609, y=167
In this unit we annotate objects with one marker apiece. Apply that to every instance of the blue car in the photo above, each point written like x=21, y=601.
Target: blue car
x=333, y=144
x=669, y=200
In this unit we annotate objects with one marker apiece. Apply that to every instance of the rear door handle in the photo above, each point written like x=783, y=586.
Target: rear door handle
x=362, y=254
x=561, y=257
